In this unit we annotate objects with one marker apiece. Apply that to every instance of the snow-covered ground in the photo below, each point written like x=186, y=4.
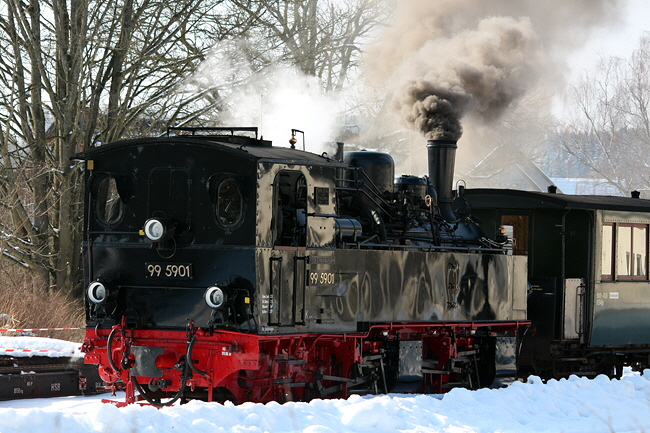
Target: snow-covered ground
x=20, y=347
x=573, y=405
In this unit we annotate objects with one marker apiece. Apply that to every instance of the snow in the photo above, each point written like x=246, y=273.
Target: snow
x=568, y=405
x=30, y=346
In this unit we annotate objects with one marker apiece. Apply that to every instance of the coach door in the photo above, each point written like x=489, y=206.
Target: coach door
x=573, y=301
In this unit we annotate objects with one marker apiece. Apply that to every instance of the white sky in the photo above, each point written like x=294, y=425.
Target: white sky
x=617, y=40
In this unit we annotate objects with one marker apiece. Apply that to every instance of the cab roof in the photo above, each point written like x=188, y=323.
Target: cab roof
x=245, y=147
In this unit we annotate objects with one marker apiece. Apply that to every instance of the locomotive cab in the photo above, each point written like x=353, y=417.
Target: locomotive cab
x=144, y=237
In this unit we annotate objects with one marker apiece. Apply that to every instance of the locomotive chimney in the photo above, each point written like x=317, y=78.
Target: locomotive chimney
x=339, y=151
x=442, y=157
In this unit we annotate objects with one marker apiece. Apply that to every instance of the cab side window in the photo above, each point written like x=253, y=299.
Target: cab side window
x=290, y=210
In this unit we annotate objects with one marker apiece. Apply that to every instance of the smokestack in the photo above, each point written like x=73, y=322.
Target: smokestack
x=339, y=151
x=442, y=157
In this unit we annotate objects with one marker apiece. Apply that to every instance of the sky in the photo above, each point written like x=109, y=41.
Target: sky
x=618, y=40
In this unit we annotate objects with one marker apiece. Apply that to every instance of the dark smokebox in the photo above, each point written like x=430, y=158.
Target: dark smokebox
x=442, y=157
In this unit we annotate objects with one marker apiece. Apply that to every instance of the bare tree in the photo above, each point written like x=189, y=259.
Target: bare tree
x=322, y=38
x=609, y=131
x=75, y=74
x=78, y=73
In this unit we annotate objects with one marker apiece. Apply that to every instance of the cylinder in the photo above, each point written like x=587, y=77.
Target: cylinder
x=347, y=229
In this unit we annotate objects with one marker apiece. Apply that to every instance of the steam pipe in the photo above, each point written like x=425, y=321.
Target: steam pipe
x=442, y=157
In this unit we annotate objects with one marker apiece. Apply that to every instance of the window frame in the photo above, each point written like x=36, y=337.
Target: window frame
x=106, y=194
x=632, y=226
x=617, y=236
x=214, y=189
x=612, y=252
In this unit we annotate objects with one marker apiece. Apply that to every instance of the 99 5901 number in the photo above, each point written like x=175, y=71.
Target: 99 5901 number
x=169, y=270
x=322, y=278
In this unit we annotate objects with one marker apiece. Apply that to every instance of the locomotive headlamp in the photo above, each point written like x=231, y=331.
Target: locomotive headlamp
x=97, y=293
x=214, y=297
x=157, y=230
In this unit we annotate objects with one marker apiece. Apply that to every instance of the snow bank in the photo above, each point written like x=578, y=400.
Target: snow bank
x=38, y=346
x=573, y=405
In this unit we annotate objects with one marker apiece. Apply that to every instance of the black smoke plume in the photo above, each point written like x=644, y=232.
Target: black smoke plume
x=447, y=59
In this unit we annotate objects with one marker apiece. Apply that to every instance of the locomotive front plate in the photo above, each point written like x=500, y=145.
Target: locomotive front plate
x=169, y=270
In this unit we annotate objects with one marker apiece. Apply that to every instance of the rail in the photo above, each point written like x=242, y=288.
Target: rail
x=37, y=329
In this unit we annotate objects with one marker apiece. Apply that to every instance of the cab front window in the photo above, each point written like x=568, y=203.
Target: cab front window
x=227, y=201
x=108, y=205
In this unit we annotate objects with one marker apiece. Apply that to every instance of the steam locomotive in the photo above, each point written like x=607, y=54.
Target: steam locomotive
x=220, y=267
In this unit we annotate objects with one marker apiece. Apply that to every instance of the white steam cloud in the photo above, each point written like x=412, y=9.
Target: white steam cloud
x=276, y=98
x=283, y=98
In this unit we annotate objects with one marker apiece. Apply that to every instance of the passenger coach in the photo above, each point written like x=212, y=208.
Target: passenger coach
x=589, y=297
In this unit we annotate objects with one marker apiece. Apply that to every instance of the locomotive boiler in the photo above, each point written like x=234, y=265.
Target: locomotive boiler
x=220, y=267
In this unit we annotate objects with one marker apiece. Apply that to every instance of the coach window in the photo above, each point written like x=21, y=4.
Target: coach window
x=631, y=251
x=607, y=261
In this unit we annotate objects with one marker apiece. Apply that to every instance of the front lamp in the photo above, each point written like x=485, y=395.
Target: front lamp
x=155, y=229
x=214, y=297
x=97, y=293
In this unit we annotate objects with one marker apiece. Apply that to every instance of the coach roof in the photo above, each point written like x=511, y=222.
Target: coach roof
x=516, y=199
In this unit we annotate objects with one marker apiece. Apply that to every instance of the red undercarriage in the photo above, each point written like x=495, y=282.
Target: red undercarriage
x=241, y=367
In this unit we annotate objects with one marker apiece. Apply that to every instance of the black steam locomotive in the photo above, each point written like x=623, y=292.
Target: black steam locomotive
x=220, y=267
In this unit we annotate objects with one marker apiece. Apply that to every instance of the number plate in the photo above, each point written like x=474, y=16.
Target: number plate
x=322, y=278
x=181, y=271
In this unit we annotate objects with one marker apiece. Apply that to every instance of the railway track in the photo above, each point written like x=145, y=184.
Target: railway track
x=34, y=367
